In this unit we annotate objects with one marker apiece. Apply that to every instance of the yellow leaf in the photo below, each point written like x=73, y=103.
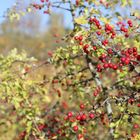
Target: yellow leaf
x=94, y=11
x=28, y=9
x=124, y=3
x=81, y=20
x=22, y=13
x=17, y=16
x=105, y=20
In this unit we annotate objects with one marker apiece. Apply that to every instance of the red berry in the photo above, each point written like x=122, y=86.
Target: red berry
x=130, y=25
x=105, y=65
x=105, y=42
x=78, y=117
x=75, y=128
x=99, y=66
x=138, y=57
x=110, y=51
x=120, y=64
x=80, y=43
x=131, y=100
x=126, y=35
x=77, y=2
x=97, y=24
x=129, y=21
x=135, y=54
x=98, y=70
x=136, y=126
x=108, y=27
x=46, y=12
x=70, y=114
x=110, y=65
x=82, y=106
x=80, y=38
x=127, y=61
x=123, y=59
x=91, y=115
x=85, y=48
x=112, y=36
x=98, y=33
x=80, y=136
x=115, y=67
x=94, y=48
x=83, y=117
x=76, y=37
x=134, y=49
x=40, y=127
x=95, y=93
x=91, y=20
x=99, y=27
x=23, y=134
x=130, y=50
x=133, y=134
x=122, y=28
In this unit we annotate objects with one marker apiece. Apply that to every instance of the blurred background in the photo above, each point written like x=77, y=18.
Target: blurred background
x=35, y=32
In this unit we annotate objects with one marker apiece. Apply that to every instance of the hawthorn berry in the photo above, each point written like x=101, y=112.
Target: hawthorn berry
x=110, y=51
x=94, y=48
x=83, y=117
x=138, y=105
x=138, y=57
x=85, y=48
x=80, y=38
x=135, y=126
x=75, y=128
x=80, y=136
x=78, y=117
x=82, y=106
x=115, y=67
x=129, y=21
x=91, y=115
x=105, y=65
x=98, y=33
x=70, y=114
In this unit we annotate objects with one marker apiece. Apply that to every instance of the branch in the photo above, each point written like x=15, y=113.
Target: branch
x=107, y=103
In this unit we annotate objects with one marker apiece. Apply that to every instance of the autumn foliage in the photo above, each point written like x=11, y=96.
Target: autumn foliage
x=89, y=89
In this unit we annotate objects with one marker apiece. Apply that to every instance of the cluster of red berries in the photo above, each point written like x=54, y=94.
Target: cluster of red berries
x=42, y=5
x=106, y=65
x=105, y=42
x=123, y=28
x=96, y=22
x=79, y=39
x=38, y=6
x=81, y=117
x=128, y=55
x=44, y=1
x=97, y=91
x=109, y=30
x=132, y=100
